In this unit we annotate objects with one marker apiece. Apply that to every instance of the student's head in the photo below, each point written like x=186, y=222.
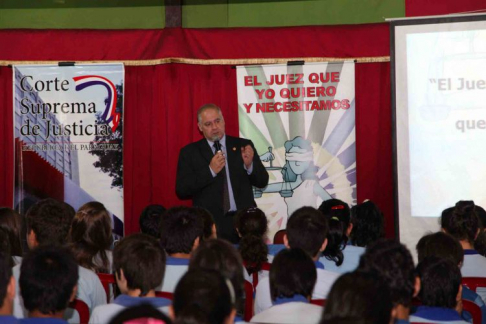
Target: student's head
x=461, y=221
x=337, y=213
x=393, y=262
x=368, y=224
x=149, y=220
x=140, y=314
x=11, y=222
x=440, y=282
x=181, y=230
x=48, y=222
x=7, y=284
x=221, y=256
x=307, y=229
x=203, y=296
x=358, y=297
x=90, y=236
x=48, y=278
x=441, y=245
x=209, y=228
x=292, y=273
x=251, y=224
x=139, y=264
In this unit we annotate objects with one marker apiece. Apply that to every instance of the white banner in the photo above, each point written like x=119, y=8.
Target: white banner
x=68, y=135
x=301, y=119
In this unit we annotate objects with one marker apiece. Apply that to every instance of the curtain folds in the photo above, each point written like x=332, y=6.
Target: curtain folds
x=161, y=100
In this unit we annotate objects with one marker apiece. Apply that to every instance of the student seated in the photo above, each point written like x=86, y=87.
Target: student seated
x=358, y=297
x=139, y=265
x=251, y=225
x=440, y=292
x=444, y=246
x=306, y=229
x=203, y=296
x=462, y=222
x=181, y=231
x=48, y=222
x=393, y=262
x=339, y=256
x=292, y=279
x=368, y=224
x=221, y=256
x=7, y=289
x=149, y=220
x=47, y=283
x=90, y=237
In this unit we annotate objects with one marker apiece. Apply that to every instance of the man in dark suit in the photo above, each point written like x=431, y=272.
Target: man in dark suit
x=218, y=171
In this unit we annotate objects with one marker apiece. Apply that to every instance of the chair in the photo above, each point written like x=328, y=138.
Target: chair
x=82, y=309
x=248, y=301
x=474, y=310
x=107, y=280
x=474, y=282
x=278, y=238
x=164, y=294
x=318, y=302
x=265, y=267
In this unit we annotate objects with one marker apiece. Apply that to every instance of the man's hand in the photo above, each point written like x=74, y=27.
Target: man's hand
x=247, y=155
x=217, y=162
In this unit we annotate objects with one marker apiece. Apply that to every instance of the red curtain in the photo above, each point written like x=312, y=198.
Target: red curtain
x=161, y=100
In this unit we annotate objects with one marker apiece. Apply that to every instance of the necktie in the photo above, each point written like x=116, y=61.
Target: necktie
x=226, y=200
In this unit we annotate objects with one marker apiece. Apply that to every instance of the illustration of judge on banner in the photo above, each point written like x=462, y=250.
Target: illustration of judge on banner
x=302, y=117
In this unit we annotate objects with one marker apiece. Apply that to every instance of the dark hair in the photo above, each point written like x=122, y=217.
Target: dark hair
x=140, y=312
x=5, y=274
x=202, y=296
x=392, y=261
x=149, y=220
x=337, y=213
x=179, y=228
x=90, y=236
x=307, y=229
x=48, y=275
x=480, y=243
x=5, y=245
x=142, y=261
x=368, y=224
x=251, y=223
x=208, y=221
x=50, y=220
x=11, y=222
x=481, y=213
x=441, y=245
x=221, y=256
x=440, y=280
x=360, y=297
x=292, y=273
x=461, y=221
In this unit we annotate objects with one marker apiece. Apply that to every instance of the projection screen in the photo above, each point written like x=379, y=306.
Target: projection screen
x=439, y=111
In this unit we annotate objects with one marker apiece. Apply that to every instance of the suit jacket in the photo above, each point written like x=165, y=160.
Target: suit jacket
x=195, y=181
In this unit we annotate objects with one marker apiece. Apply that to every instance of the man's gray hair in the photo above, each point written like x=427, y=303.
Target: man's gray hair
x=206, y=107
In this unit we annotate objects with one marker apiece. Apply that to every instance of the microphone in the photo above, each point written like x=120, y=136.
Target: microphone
x=217, y=146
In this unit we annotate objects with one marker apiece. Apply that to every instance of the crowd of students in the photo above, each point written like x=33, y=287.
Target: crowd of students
x=334, y=256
